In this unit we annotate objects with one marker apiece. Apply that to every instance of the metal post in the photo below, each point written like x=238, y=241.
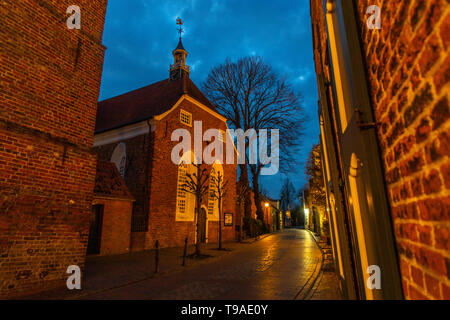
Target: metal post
x=156, y=256
x=185, y=251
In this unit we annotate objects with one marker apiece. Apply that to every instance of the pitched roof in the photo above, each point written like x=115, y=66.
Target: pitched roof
x=145, y=103
x=180, y=46
x=109, y=183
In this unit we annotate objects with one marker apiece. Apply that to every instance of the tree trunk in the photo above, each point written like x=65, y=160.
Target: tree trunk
x=243, y=178
x=240, y=222
x=220, y=224
x=257, y=197
x=197, y=244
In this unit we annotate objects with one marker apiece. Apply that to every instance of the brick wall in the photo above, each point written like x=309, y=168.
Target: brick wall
x=115, y=235
x=49, y=87
x=408, y=64
x=164, y=182
x=137, y=149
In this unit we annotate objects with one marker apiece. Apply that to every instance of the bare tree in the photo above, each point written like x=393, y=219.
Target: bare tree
x=313, y=170
x=253, y=96
x=196, y=184
x=287, y=196
x=218, y=191
x=242, y=191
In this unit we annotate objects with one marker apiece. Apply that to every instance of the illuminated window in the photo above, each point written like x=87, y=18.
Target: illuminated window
x=213, y=202
x=181, y=193
x=211, y=198
x=185, y=200
x=186, y=118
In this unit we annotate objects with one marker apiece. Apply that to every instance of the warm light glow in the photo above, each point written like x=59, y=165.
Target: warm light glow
x=266, y=204
x=306, y=211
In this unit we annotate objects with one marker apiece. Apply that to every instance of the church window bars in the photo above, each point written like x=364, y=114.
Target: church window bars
x=186, y=118
x=181, y=194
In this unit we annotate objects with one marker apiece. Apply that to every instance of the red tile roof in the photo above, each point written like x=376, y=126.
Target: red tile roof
x=109, y=183
x=145, y=103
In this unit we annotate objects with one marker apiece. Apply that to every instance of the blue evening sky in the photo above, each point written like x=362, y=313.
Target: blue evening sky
x=141, y=34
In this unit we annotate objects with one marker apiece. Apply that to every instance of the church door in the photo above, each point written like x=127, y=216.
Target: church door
x=202, y=225
x=95, y=232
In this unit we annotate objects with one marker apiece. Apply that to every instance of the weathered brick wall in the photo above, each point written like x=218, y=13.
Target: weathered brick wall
x=50, y=81
x=115, y=235
x=164, y=182
x=408, y=65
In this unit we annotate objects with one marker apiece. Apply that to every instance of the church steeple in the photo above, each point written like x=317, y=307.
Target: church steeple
x=179, y=68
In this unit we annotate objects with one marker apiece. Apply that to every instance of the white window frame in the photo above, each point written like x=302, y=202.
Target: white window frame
x=185, y=114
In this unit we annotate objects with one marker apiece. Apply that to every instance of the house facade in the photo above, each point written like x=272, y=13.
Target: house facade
x=384, y=119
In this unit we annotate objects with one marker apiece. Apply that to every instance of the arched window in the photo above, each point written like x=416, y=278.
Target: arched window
x=181, y=193
x=212, y=201
x=213, y=209
x=119, y=158
x=185, y=201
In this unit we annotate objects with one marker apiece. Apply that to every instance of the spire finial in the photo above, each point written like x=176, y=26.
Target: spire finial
x=180, y=29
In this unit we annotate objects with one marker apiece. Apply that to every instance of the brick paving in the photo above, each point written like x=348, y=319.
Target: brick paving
x=277, y=266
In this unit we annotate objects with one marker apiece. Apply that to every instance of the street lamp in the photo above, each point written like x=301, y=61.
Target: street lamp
x=266, y=204
x=306, y=210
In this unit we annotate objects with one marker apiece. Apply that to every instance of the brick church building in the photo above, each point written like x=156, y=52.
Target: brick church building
x=134, y=132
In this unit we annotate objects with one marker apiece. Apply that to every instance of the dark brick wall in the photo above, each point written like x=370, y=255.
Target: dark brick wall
x=115, y=236
x=49, y=86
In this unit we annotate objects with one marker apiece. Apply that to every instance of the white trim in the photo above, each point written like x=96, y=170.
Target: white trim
x=195, y=102
x=123, y=133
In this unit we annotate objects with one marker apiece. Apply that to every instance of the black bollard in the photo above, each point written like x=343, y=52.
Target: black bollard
x=185, y=251
x=156, y=256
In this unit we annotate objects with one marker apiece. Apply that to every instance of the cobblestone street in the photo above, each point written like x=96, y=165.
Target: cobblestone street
x=284, y=265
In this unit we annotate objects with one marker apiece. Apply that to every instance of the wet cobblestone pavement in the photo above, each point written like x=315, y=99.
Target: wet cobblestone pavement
x=279, y=266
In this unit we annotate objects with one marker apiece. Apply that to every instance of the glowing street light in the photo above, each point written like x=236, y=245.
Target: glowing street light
x=266, y=204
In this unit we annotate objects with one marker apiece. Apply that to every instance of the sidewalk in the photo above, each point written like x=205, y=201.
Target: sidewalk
x=108, y=272
x=326, y=285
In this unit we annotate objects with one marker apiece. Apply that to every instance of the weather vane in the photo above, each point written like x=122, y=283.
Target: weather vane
x=180, y=29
